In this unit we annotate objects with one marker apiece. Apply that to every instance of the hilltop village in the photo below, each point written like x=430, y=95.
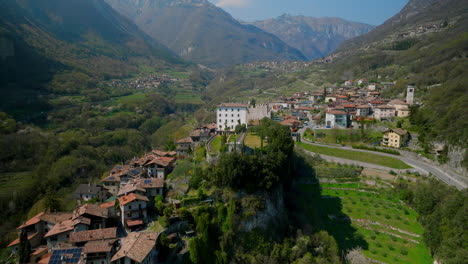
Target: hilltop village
x=114, y=220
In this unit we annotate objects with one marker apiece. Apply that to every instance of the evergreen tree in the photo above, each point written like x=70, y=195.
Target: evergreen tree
x=24, y=251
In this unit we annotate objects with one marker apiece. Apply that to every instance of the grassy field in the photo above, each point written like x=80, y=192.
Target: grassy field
x=188, y=98
x=253, y=141
x=128, y=98
x=347, y=136
x=358, y=156
x=216, y=144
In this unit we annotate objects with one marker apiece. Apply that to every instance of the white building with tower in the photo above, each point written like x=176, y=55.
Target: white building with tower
x=410, y=94
x=229, y=115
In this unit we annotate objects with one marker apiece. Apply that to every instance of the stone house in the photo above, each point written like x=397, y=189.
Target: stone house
x=137, y=247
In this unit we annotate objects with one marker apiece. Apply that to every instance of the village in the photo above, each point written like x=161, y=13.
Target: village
x=113, y=221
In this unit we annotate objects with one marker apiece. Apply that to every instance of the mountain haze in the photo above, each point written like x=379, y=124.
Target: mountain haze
x=314, y=37
x=199, y=31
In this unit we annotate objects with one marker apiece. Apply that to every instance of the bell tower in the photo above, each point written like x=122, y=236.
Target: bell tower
x=410, y=94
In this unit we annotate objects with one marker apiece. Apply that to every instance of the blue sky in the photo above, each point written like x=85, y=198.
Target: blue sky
x=373, y=12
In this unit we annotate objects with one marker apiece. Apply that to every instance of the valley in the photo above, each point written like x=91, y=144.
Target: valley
x=170, y=131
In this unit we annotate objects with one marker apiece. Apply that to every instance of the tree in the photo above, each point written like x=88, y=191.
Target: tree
x=253, y=102
x=24, y=250
x=159, y=204
x=51, y=202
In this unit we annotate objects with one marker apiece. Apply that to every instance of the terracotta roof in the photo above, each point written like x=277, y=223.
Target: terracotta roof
x=34, y=220
x=90, y=209
x=132, y=197
x=67, y=225
x=136, y=246
x=131, y=223
x=55, y=217
x=99, y=246
x=185, y=140
x=199, y=132
x=211, y=126
x=335, y=112
x=362, y=106
x=108, y=204
x=92, y=235
x=16, y=241
x=349, y=105
x=45, y=259
x=237, y=105
x=39, y=251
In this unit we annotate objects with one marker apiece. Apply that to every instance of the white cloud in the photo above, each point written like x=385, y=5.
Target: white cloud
x=233, y=3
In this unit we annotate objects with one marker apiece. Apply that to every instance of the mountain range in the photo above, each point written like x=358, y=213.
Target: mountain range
x=200, y=32
x=314, y=37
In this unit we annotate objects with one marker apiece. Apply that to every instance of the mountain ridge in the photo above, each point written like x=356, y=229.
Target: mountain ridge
x=314, y=37
x=203, y=33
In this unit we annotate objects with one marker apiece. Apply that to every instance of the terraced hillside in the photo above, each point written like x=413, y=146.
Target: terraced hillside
x=363, y=213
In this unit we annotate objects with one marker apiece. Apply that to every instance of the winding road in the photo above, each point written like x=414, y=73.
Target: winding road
x=449, y=177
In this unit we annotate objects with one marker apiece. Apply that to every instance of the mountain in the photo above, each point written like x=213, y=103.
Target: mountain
x=41, y=39
x=314, y=37
x=199, y=31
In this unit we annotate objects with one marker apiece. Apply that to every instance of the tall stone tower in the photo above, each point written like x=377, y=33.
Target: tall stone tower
x=410, y=94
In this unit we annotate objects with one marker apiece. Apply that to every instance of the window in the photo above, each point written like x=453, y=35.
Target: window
x=219, y=115
x=238, y=110
x=130, y=207
x=226, y=115
x=238, y=115
x=232, y=115
x=220, y=121
x=232, y=109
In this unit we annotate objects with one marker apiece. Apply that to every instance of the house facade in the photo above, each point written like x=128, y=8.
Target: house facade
x=337, y=119
x=384, y=112
x=229, y=115
x=395, y=138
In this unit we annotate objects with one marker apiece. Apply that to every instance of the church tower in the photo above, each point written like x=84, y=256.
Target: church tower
x=410, y=94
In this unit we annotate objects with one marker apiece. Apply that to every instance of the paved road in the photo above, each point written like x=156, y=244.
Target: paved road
x=446, y=176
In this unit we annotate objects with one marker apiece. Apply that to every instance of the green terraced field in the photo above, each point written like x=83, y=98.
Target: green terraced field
x=364, y=216
x=356, y=155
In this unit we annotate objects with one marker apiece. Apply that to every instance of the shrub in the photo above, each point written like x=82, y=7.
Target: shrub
x=404, y=251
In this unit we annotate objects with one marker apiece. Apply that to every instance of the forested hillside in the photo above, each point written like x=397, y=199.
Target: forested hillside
x=427, y=43
x=74, y=43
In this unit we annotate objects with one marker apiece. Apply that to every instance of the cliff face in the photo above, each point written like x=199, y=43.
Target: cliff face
x=273, y=212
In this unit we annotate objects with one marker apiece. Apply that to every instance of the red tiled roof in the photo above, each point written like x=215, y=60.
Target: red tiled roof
x=39, y=251
x=108, y=204
x=132, y=197
x=45, y=259
x=92, y=235
x=185, y=140
x=131, y=223
x=34, y=220
x=385, y=107
x=90, y=209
